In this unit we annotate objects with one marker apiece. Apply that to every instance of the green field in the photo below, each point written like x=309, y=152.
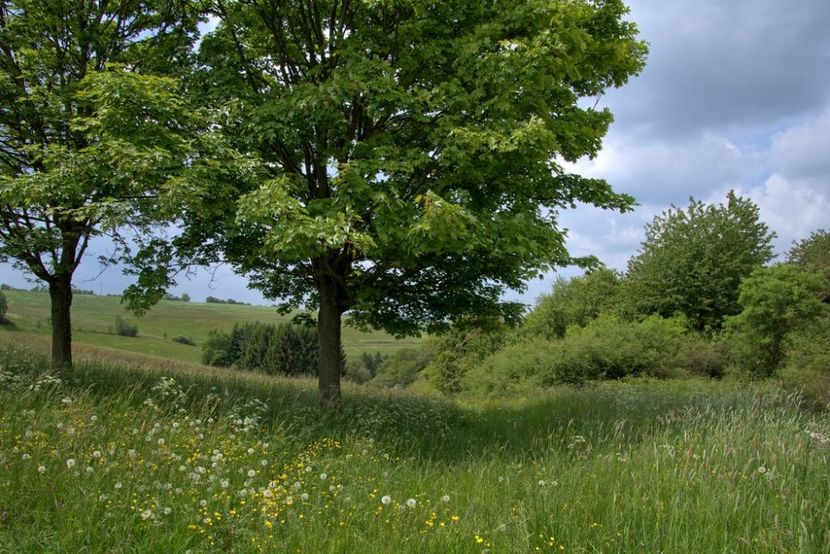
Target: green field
x=93, y=320
x=131, y=454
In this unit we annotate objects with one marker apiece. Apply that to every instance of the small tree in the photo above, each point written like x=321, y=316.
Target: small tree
x=692, y=261
x=84, y=150
x=776, y=301
x=4, y=306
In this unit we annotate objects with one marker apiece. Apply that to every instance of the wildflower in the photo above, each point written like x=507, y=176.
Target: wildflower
x=203, y=503
x=146, y=514
x=762, y=470
x=250, y=451
x=445, y=498
x=297, y=485
x=131, y=453
x=41, y=469
x=70, y=463
x=251, y=473
x=118, y=485
x=332, y=488
x=411, y=503
x=323, y=476
x=267, y=493
x=304, y=496
x=96, y=454
x=263, y=463
x=89, y=469
x=386, y=500
x=224, y=483
x=289, y=500
x=541, y=482
x=161, y=442
x=167, y=511
x=26, y=456
x=93, y=419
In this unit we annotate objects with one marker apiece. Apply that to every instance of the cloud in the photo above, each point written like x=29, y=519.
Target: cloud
x=803, y=150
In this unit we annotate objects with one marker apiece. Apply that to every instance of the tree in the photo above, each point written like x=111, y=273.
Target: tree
x=4, y=306
x=813, y=254
x=83, y=145
x=692, y=261
x=776, y=301
x=402, y=160
x=573, y=302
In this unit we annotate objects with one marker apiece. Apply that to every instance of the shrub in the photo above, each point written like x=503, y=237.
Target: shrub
x=459, y=350
x=606, y=348
x=573, y=302
x=776, y=302
x=184, y=340
x=402, y=367
x=125, y=328
x=807, y=365
x=216, y=350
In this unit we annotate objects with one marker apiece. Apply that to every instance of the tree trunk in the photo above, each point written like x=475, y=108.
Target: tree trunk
x=60, y=293
x=328, y=328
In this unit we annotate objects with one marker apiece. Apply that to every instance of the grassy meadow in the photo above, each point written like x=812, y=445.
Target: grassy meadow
x=93, y=323
x=130, y=453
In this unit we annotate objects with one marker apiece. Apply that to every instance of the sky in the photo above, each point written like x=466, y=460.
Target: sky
x=735, y=95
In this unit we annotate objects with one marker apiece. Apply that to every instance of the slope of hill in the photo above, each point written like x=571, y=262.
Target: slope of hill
x=93, y=322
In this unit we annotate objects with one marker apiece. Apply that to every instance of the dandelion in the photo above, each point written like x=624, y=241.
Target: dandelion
x=70, y=463
x=89, y=469
x=263, y=463
x=203, y=503
x=26, y=456
x=96, y=454
x=118, y=485
x=224, y=483
x=93, y=419
x=160, y=442
x=250, y=451
x=41, y=469
x=251, y=473
x=131, y=453
x=297, y=485
x=304, y=496
x=146, y=514
x=289, y=500
x=332, y=488
x=762, y=470
x=267, y=493
x=411, y=503
x=445, y=498
x=541, y=482
x=323, y=476
x=167, y=511
x=386, y=500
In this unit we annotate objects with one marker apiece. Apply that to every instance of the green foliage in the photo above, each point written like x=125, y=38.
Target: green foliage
x=776, y=301
x=184, y=340
x=807, y=366
x=283, y=349
x=573, y=302
x=606, y=348
x=692, y=262
x=125, y=328
x=402, y=367
x=813, y=254
x=458, y=350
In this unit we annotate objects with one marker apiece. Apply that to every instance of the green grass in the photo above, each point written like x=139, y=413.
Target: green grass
x=686, y=466
x=93, y=322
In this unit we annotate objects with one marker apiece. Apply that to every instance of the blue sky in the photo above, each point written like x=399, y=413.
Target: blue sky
x=735, y=95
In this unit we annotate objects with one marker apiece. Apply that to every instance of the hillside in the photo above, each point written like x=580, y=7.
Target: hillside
x=93, y=320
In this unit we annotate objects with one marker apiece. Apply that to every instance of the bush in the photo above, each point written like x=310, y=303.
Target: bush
x=573, y=302
x=125, y=328
x=776, y=302
x=606, y=348
x=184, y=340
x=459, y=350
x=402, y=367
x=807, y=365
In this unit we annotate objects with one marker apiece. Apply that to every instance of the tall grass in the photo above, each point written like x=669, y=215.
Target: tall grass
x=171, y=458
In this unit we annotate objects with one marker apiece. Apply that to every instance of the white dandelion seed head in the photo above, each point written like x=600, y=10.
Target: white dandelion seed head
x=267, y=493
x=41, y=469
x=251, y=473
x=298, y=485
x=762, y=470
x=289, y=500
x=70, y=463
x=118, y=485
x=411, y=502
x=93, y=418
x=146, y=514
x=26, y=456
x=445, y=498
x=203, y=503
x=96, y=454
x=224, y=483
x=323, y=476
x=160, y=442
x=386, y=500
x=304, y=496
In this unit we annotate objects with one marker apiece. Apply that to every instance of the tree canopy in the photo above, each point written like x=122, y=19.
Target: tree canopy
x=402, y=160
x=692, y=261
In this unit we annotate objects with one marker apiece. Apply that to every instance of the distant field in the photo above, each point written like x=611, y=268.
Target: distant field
x=93, y=320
